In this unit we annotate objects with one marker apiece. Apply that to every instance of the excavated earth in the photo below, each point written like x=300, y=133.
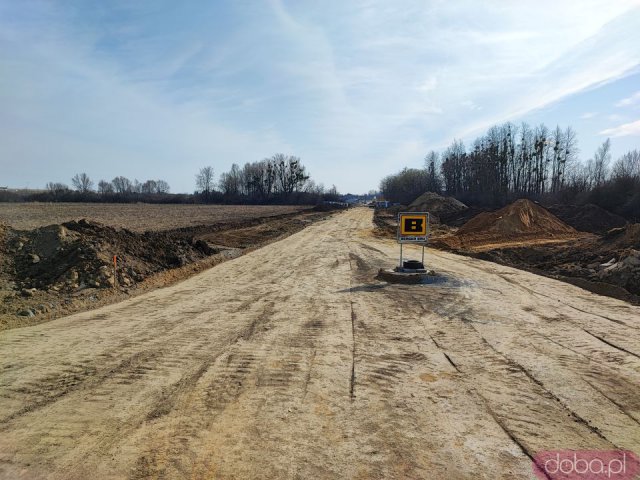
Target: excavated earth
x=588, y=218
x=521, y=220
x=439, y=207
x=528, y=236
x=58, y=269
x=608, y=265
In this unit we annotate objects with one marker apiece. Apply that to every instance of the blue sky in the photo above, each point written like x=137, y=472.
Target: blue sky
x=357, y=89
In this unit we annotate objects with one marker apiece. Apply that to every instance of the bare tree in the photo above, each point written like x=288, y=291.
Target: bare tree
x=231, y=181
x=104, y=187
x=432, y=168
x=122, y=185
x=82, y=183
x=162, y=186
x=600, y=165
x=204, y=180
x=136, y=186
x=627, y=166
x=56, y=187
x=149, y=186
x=290, y=173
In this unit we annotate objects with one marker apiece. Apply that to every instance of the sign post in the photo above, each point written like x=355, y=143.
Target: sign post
x=413, y=227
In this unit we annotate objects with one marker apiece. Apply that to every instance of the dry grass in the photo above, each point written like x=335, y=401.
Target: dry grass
x=138, y=217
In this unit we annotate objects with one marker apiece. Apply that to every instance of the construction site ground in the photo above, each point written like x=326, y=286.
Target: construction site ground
x=292, y=361
x=58, y=269
x=607, y=264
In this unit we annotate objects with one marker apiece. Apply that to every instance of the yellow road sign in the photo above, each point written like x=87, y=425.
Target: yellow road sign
x=413, y=227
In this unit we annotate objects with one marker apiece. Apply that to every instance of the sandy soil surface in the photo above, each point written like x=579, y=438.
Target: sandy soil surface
x=138, y=217
x=293, y=362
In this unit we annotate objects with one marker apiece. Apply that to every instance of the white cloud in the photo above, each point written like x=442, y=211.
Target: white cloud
x=367, y=82
x=624, y=130
x=614, y=117
x=588, y=115
x=429, y=84
x=632, y=100
x=471, y=105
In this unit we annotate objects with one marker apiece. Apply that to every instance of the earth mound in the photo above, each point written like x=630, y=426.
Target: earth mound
x=522, y=220
x=460, y=218
x=79, y=254
x=588, y=218
x=625, y=237
x=437, y=205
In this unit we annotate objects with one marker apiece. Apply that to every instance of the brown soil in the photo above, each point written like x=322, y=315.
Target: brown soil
x=609, y=265
x=523, y=218
x=626, y=237
x=588, y=218
x=137, y=217
x=58, y=269
x=533, y=239
x=439, y=207
x=460, y=218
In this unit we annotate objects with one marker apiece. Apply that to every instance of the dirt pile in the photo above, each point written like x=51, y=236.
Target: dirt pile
x=438, y=206
x=598, y=265
x=460, y=218
x=522, y=220
x=625, y=237
x=588, y=218
x=57, y=269
x=60, y=269
x=625, y=272
x=79, y=254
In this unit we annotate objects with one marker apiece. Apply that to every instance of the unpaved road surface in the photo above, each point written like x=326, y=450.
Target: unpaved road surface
x=294, y=362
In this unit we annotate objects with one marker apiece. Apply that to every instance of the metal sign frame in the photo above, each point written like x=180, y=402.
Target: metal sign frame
x=420, y=239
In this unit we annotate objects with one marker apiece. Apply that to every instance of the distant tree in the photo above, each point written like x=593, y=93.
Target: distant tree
x=56, y=187
x=82, y=183
x=433, y=183
x=290, y=173
x=204, y=181
x=122, y=185
x=104, y=187
x=405, y=186
x=600, y=165
x=627, y=166
x=332, y=194
x=136, y=186
x=149, y=187
x=314, y=189
x=162, y=186
x=231, y=182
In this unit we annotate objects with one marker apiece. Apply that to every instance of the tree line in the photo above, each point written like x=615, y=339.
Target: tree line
x=278, y=179
x=510, y=162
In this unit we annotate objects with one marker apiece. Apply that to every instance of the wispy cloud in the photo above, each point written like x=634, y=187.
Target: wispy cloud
x=588, y=115
x=367, y=83
x=624, y=130
x=631, y=100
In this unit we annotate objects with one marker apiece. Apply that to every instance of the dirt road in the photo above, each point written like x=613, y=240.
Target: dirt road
x=294, y=362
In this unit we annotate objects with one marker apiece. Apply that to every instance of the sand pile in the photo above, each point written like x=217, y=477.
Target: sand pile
x=588, y=218
x=522, y=219
x=438, y=206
